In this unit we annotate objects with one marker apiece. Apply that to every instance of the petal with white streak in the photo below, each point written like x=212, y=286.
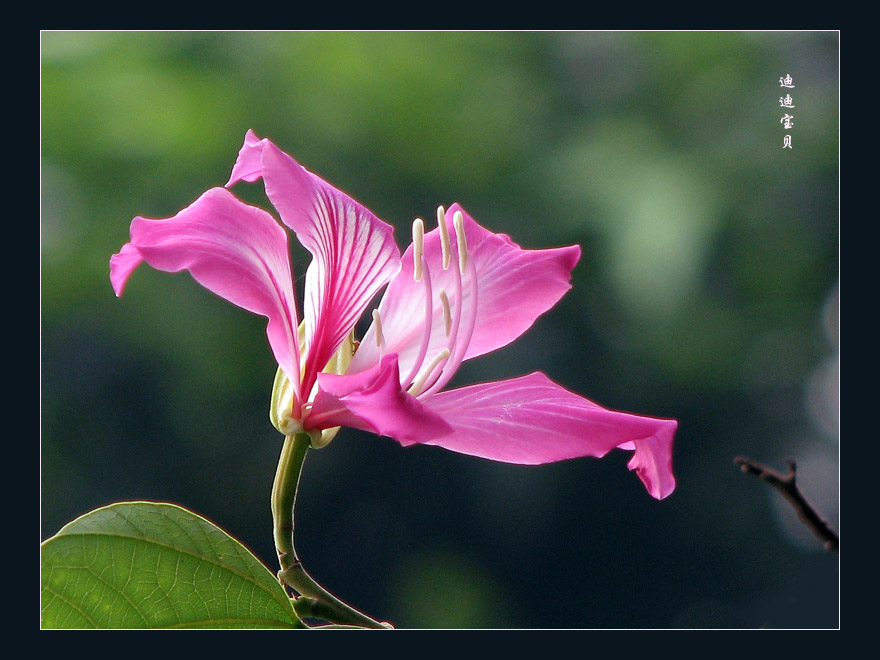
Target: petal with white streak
x=354, y=252
x=531, y=420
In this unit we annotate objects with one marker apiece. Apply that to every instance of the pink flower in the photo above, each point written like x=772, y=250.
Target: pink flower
x=458, y=292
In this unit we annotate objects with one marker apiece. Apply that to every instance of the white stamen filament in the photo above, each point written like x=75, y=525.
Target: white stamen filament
x=458, y=222
x=461, y=334
x=452, y=337
x=429, y=315
x=377, y=327
x=444, y=235
x=447, y=314
x=416, y=388
x=418, y=233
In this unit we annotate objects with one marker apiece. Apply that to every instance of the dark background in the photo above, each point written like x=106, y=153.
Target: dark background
x=707, y=292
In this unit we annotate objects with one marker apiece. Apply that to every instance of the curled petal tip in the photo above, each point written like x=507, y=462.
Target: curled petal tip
x=531, y=420
x=122, y=264
x=652, y=460
x=248, y=165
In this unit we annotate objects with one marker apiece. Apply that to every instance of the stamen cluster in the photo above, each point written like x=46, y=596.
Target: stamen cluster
x=426, y=377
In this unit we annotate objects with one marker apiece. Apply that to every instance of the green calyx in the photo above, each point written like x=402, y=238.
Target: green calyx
x=283, y=396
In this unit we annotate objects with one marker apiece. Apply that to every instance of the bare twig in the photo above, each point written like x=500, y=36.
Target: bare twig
x=786, y=484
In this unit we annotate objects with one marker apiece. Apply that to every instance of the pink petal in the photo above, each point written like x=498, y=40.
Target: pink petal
x=531, y=420
x=373, y=400
x=248, y=166
x=122, y=265
x=237, y=251
x=515, y=286
x=354, y=252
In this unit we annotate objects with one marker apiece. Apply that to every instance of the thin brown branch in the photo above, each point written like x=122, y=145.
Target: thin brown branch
x=787, y=485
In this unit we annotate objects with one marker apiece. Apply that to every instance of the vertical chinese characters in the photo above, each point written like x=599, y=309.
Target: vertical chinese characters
x=786, y=102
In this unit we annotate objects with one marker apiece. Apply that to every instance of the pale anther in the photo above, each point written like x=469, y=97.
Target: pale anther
x=458, y=222
x=444, y=235
x=418, y=232
x=447, y=314
x=377, y=327
x=416, y=388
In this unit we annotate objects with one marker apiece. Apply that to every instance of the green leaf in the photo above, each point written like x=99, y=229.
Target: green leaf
x=155, y=565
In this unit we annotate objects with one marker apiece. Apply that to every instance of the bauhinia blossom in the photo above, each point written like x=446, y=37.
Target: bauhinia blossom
x=459, y=291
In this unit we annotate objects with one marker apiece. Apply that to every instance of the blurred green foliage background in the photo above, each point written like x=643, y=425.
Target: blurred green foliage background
x=707, y=292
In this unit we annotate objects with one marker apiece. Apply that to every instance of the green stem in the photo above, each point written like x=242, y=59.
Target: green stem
x=317, y=601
